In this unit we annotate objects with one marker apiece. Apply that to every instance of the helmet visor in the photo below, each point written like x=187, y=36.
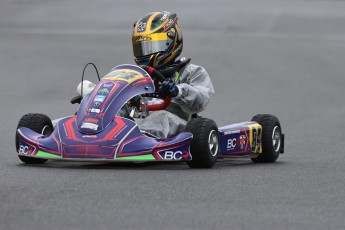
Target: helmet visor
x=143, y=46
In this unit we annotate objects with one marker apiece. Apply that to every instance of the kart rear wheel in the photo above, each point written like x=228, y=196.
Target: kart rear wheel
x=205, y=144
x=39, y=123
x=272, y=140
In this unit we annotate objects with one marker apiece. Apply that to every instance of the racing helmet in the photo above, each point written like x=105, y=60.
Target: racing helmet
x=157, y=39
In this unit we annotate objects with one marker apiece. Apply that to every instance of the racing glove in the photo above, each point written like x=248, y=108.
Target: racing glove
x=168, y=89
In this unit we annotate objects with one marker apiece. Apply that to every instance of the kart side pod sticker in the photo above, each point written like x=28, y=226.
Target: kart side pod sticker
x=26, y=148
x=255, y=132
x=173, y=154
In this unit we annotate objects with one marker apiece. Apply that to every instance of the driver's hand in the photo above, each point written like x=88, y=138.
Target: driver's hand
x=168, y=89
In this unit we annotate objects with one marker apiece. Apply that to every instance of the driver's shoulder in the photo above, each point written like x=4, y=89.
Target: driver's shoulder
x=192, y=71
x=189, y=67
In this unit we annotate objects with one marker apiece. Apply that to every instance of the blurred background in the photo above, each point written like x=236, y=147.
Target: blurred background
x=281, y=57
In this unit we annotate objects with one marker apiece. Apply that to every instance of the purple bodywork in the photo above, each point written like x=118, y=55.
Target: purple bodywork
x=95, y=133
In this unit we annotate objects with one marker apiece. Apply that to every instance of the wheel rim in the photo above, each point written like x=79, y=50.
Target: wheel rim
x=276, y=138
x=46, y=131
x=213, y=143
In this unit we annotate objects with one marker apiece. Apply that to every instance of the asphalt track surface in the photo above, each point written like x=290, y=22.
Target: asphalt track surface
x=281, y=57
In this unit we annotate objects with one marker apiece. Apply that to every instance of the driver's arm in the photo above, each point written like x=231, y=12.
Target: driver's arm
x=195, y=89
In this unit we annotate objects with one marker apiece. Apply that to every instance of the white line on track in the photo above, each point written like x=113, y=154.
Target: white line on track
x=263, y=34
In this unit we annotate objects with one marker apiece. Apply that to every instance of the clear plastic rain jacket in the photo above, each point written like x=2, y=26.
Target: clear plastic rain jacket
x=195, y=90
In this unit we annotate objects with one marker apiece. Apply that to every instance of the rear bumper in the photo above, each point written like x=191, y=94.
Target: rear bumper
x=282, y=143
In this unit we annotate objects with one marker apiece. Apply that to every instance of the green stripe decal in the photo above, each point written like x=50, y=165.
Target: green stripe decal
x=147, y=157
x=48, y=155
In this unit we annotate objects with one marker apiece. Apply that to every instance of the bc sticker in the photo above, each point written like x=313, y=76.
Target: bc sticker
x=25, y=149
x=173, y=155
x=231, y=144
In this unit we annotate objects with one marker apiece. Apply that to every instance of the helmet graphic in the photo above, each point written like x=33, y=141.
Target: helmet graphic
x=157, y=39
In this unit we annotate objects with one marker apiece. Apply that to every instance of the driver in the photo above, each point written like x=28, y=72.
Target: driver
x=157, y=42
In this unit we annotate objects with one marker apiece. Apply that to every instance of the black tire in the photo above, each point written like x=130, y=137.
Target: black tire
x=270, y=151
x=205, y=133
x=39, y=123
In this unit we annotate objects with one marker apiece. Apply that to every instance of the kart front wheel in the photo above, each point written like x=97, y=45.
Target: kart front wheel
x=272, y=138
x=205, y=144
x=39, y=123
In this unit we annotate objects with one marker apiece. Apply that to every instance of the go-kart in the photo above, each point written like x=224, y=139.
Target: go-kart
x=96, y=134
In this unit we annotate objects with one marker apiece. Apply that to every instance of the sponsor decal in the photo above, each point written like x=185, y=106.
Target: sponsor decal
x=127, y=76
x=141, y=39
x=256, y=139
x=87, y=125
x=97, y=104
x=107, y=85
x=90, y=136
x=93, y=110
x=166, y=26
x=141, y=27
x=173, y=155
x=239, y=143
x=138, y=82
x=165, y=16
x=91, y=120
x=104, y=91
x=232, y=132
x=242, y=141
x=122, y=74
x=25, y=149
x=231, y=144
x=99, y=98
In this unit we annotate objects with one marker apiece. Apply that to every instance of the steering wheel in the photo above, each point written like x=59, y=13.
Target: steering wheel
x=157, y=77
x=155, y=74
